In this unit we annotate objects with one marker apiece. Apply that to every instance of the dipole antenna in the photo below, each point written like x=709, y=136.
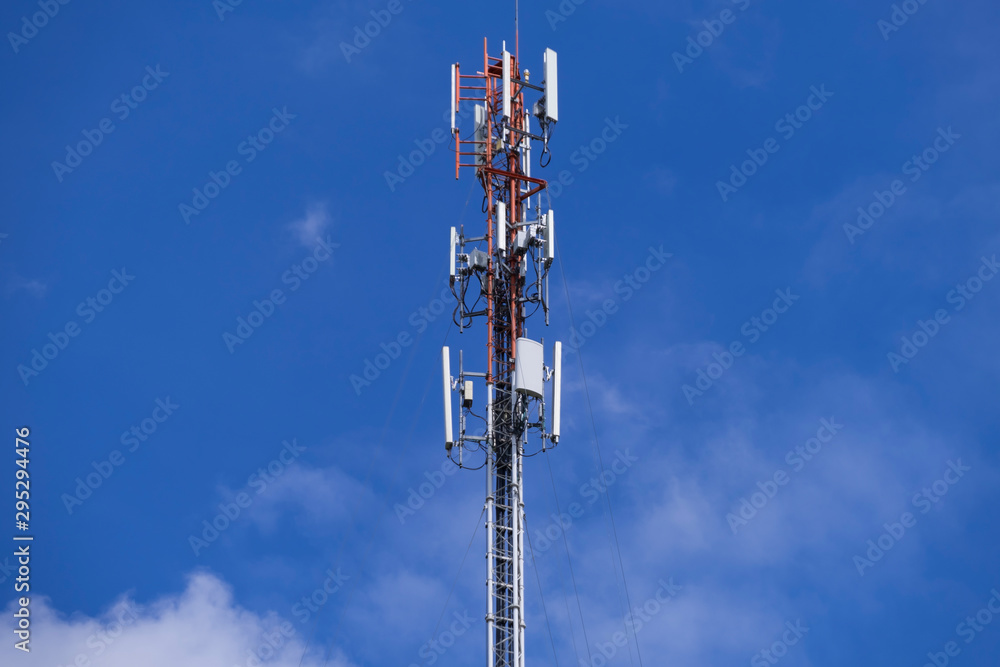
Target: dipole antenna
x=500, y=277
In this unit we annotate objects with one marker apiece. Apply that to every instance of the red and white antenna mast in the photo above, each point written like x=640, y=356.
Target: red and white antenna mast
x=502, y=276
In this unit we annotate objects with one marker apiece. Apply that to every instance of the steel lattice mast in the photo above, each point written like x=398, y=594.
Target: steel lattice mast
x=504, y=274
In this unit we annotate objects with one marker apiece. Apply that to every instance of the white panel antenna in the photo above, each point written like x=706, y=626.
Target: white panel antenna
x=481, y=134
x=527, y=156
x=557, y=392
x=501, y=226
x=551, y=83
x=454, y=96
x=449, y=438
x=550, y=235
x=529, y=366
x=506, y=85
x=451, y=255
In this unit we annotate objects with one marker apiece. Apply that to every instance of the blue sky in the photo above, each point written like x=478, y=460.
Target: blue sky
x=289, y=140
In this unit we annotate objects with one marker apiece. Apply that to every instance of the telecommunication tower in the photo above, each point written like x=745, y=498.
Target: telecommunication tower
x=502, y=276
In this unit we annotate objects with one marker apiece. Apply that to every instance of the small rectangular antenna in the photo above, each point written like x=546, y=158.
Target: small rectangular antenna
x=451, y=255
x=550, y=235
x=527, y=157
x=449, y=440
x=467, y=394
x=454, y=96
x=506, y=85
x=501, y=226
x=557, y=392
x=521, y=240
x=481, y=138
x=551, y=82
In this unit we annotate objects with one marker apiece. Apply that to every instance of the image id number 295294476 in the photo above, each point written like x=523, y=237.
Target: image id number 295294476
x=22, y=551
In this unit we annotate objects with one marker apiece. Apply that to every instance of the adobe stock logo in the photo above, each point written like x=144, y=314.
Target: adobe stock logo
x=419, y=320
x=264, y=309
x=899, y=17
x=636, y=620
x=122, y=106
x=753, y=329
x=592, y=491
x=434, y=649
x=312, y=603
x=270, y=641
x=102, y=638
x=407, y=165
x=229, y=512
x=779, y=649
x=104, y=469
x=566, y=9
x=419, y=496
x=894, y=532
x=223, y=6
x=249, y=149
x=787, y=126
x=882, y=201
x=586, y=154
x=963, y=293
x=88, y=310
x=627, y=287
x=968, y=630
x=30, y=27
x=796, y=459
x=363, y=36
x=696, y=44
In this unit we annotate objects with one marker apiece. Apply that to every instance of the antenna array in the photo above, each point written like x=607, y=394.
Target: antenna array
x=502, y=276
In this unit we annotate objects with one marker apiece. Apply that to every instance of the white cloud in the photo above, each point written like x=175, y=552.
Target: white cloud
x=34, y=287
x=697, y=464
x=201, y=627
x=307, y=229
x=318, y=496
